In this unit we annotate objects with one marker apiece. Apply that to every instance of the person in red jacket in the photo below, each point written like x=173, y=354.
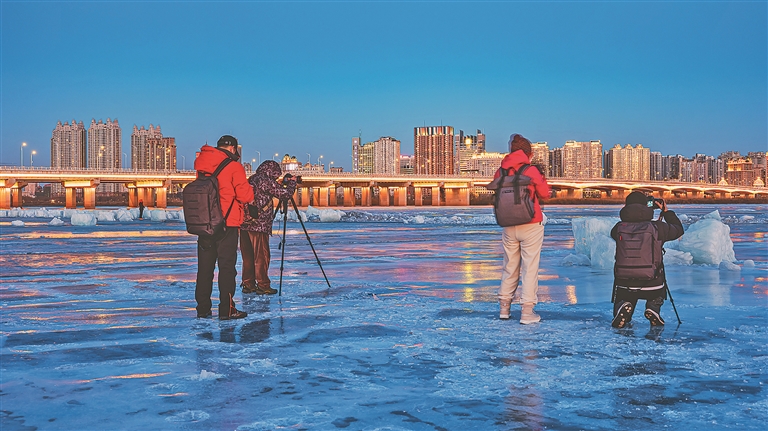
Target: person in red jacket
x=234, y=192
x=522, y=243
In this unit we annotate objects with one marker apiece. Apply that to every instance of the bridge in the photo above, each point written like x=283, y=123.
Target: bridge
x=324, y=189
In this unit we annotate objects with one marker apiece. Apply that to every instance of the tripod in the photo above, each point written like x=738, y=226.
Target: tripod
x=283, y=206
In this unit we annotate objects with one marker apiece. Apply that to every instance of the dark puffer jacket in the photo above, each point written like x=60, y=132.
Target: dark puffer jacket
x=668, y=231
x=265, y=189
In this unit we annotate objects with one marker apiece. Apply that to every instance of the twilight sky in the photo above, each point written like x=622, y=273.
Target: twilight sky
x=305, y=77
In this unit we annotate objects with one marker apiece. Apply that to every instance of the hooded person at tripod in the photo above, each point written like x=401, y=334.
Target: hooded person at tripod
x=257, y=226
x=627, y=287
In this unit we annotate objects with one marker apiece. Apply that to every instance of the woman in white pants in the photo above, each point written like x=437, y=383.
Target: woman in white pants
x=522, y=243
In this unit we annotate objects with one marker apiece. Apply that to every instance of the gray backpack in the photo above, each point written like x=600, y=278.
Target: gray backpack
x=513, y=203
x=639, y=254
x=202, y=207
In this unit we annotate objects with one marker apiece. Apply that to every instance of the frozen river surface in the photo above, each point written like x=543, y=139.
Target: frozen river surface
x=98, y=332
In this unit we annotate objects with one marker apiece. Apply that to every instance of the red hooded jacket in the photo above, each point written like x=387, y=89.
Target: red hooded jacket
x=233, y=185
x=539, y=188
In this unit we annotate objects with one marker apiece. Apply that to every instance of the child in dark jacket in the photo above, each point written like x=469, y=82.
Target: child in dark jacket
x=627, y=291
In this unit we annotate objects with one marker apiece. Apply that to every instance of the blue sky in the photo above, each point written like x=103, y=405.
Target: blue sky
x=305, y=77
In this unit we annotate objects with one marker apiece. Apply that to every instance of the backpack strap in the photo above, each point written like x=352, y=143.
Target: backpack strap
x=516, y=182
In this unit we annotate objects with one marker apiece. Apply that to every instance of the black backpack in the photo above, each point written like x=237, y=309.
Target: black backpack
x=639, y=254
x=513, y=203
x=202, y=207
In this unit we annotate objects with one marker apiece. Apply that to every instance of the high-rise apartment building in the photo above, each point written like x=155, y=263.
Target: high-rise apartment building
x=656, y=166
x=68, y=143
x=466, y=146
x=162, y=153
x=628, y=163
x=379, y=157
x=540, y=155
x=740, y=172
x=104, y=147
x=406, y=164
x=143, y=156
x=485, y=164
x=760, y=164
x=583, y=159
x=433, y=150
x=556, y=163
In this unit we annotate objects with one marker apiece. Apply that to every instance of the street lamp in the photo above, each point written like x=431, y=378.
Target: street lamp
x=30, y=157
x=273, y=157
x=259, y=156
x=330, y=167
x=309, y=159
x=125, y=156
x=23, y=144
x=253, y=161
x=318, y=159
x=183, y=163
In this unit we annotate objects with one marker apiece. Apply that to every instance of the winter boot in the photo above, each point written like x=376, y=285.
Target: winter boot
x=623, y=315
x=527, y=315
x=504, y=305
x=653, y=317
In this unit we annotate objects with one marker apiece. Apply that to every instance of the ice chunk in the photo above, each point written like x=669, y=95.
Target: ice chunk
x=576, y=260
x=746, y=218
x=105, y=216
x=158, y=215
x=56, y=222
x=206, y=375
x=708, y=241
x=17, y=223
x=83, y=219
x=325, y=216
x=729, y=266
x=677, y=257
x=41, y=213
x=749, y=263
x=123, y=215
x=602, y=252
x=585, y=229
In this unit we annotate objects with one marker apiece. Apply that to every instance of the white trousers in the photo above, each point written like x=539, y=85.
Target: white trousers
x=522, y=252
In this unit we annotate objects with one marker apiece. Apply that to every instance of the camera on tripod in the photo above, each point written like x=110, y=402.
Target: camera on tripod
x=288, y=177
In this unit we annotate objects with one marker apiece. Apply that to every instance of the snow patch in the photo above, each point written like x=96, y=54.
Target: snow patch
x=17, y=223
x=56, y=222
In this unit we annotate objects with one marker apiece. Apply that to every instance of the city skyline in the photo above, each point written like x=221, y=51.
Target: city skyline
x=687, y=78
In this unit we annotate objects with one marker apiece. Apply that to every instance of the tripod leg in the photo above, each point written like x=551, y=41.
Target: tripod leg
x=673, y=302
x=282, y=247
x=298, y=215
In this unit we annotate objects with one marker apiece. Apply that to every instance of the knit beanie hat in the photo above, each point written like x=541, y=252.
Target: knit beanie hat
x=637, y=198
x=518, y=142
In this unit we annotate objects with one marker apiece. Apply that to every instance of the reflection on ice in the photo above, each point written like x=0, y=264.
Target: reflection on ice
x=407, y=337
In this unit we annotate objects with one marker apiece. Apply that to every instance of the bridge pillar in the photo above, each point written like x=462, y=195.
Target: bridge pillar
x=418, y=198
x=89, y=198
x=603, y=194
x=365, y=196
x=435, y=196
x=322, y=197
x=576, y=193
x=383, y=196
x=302, y=200
x=161, y=197
x=349, y=196
x=133, y=199
x=695, y=193
x=618, y=194
x=400, y=197
x=665, y=194
x=332, y=200
x=5, y=198
x=71, y=197
x=457, y=197
x=16, y=199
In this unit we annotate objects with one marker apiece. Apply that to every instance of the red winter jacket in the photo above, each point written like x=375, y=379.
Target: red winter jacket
x=233, y=185
x=539, y=188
